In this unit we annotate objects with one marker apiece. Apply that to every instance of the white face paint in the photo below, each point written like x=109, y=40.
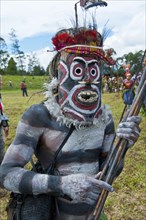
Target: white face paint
x=82, y=69
x=79, y=86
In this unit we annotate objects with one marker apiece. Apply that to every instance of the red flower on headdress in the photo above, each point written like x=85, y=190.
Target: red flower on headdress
x=80, y=37
x=61, y=40
x=91, y=35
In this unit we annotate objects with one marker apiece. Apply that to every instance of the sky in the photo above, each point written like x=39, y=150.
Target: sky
x=36, y=22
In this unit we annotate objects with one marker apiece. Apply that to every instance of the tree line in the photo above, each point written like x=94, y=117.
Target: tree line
x=15, y=63
x=18, y=63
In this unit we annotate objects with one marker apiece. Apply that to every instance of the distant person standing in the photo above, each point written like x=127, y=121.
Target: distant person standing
x=23, y=87
x=10, y=84
x=128, y=94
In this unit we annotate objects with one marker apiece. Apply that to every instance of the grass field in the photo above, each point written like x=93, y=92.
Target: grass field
x=32, y=82
x=128, y=200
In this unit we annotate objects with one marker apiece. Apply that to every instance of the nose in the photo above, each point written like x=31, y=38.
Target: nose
x=86, y=77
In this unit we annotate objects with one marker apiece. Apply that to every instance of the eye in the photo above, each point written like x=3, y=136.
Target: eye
x=94, y=72
x=76, y=71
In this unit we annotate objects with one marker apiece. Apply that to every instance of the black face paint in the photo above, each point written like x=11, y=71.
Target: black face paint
x=79, y=87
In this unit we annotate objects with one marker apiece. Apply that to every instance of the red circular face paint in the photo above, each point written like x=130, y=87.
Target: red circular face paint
x=85, y=98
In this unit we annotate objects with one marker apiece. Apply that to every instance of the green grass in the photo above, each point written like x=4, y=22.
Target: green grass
x=128, y=200
x=35, y=82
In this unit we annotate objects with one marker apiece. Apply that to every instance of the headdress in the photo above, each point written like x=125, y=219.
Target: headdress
x=127, y=70
x=77, y=102
x=82, y=41
x=128, y=74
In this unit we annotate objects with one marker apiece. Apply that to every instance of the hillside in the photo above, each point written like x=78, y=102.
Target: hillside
x=35, y=82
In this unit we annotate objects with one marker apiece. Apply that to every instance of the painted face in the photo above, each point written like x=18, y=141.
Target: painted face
x=79, y=86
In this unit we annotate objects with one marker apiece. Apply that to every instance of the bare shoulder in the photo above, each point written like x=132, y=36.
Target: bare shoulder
x=36, y=115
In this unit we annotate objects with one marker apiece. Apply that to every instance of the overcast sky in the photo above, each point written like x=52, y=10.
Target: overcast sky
x=36, y=22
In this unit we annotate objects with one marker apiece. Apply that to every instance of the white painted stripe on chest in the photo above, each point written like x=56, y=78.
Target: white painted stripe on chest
x=88, y=138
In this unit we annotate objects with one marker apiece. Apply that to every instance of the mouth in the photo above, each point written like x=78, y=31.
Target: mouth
x=87, y=97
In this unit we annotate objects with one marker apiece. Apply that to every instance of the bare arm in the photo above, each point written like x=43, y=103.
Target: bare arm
x=13, y=175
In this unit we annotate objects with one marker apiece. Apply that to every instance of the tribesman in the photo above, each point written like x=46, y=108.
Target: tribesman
x=128, y=86
x=4, y=129
x=73, y=118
